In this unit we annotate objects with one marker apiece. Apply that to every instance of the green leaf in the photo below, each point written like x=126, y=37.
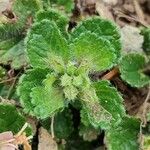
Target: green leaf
x=77, y=81
x=70, y=92
x=12, y=30
x=56, y=16
x=47, y=100
x=123, y=136
x=9, y=49
x=110, y=99
x=22, y=9
x=71, y=68
x=66, y=80
x=102, y=28
x=11, y=119
x=57, y=64
x=45, y=40
x=31, y=79
x=63, y=124
x=131, y=68
x=15, y=56
x=2, y=73
x=69, y=88
x=97, y=115
x=95, y=51
x=84, y=117
x=8, y=44
x=146, y=44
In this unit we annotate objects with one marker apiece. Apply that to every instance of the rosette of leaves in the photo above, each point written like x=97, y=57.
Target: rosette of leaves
x=61, y=67
x=60, y=76
x=11, y=119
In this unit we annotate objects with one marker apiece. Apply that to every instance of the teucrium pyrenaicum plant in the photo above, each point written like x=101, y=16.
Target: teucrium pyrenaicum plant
x=61, y=63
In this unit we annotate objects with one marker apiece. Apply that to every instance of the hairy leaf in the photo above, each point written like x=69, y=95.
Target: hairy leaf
x=97, y=115
x=102, y=28
x=66, y=80
x=14, y=22
x=63, y=124
x=56, y=63
x=110, y=99
x=52, y=14
x=70, y=92
x=43, y=41
x=20, y=11
x=77, y=81
x=15, y=56
x=123, y=136
x=31, y=79
x=8, y=44
x=11, y=119
x=84, y=117
x=46, y=99
x=71, y=68
x=131, y=68
x=45, y=103
x=95, y=51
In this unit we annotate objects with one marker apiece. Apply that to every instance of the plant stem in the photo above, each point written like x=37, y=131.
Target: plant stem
x=52, y=127
x=22, y=129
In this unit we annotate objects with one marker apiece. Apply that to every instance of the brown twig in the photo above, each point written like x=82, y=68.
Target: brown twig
x=139, y=11
x=110, y=74
x=12, y=85
x=10, y=89
x=120, y=14
x=4, y=81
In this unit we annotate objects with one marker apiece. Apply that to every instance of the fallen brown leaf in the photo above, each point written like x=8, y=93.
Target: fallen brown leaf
x=5, y=137
x=46, y=142
x=104, y=10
